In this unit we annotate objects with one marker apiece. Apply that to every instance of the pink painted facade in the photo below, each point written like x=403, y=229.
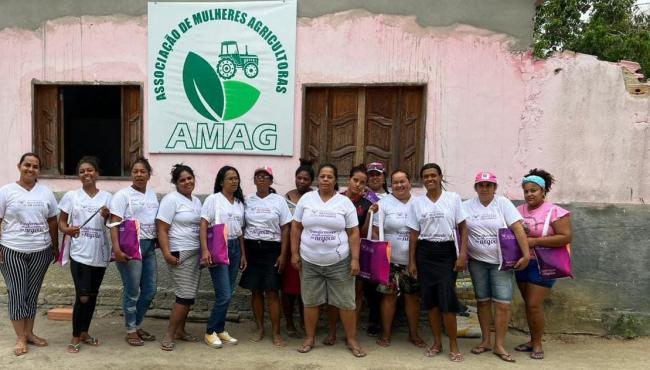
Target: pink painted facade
x=486, y=107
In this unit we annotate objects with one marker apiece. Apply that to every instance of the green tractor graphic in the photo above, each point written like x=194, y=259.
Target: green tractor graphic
x=230, y=60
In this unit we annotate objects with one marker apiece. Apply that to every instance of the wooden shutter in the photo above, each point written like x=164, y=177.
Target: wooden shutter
x=411, y=132
x=48, y=128
x=315, y=128
x=131, y=126
x=381, y=125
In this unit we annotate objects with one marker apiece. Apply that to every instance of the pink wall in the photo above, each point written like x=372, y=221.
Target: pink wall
x=486, y=108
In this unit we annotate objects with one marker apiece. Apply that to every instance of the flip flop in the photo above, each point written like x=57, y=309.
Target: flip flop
x=20, y=349
x=433, y=351
x=37, y=341
x=74, y=348
x=188, y=338
x=167, y=345
x=145, y=336
x=136, y=342
x=505, y=357
x=357, y=352
x=383, y=342
x=418, y=342
x=480, y=349
x=305, y=348
x=329, y=341
x=279, y=342
x=537, y=355
x=91, y=341
x=456, y=357
x=524, y=347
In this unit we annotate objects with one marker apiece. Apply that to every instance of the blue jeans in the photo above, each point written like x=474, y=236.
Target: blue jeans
x=223, y=280
x=490, y=283
x=139, y=280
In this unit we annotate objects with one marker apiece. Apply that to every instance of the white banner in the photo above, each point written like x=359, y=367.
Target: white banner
x=221, y=77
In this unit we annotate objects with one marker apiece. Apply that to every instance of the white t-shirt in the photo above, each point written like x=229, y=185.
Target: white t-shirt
x=184, y=217
x=324, y=238
x=394, y=213
x=437, y=221
x=483, y=224
x=91, y=247
x=231, y=214
x=265, y=216
x=129, y=203
x=24, y=216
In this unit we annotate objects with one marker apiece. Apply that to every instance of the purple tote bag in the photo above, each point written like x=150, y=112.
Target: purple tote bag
x=554, y=262
x=374, y=257
x=129, y=239
x=218, y=241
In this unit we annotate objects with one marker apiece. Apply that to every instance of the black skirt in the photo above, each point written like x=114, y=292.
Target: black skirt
x=261, y=273
x=435, y=263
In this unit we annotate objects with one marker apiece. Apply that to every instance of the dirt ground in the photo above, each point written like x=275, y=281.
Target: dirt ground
x=562, y=352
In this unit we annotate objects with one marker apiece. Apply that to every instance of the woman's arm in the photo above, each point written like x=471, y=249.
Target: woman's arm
x=413, y=245
x=163, y=242
x=563, y=235
x=296, y=231
x=115, y=240
x=284, y=247
x=63, y=225
x=242, y=259
x=354, y=241
x=462, y=253
x=518, y=229
x=54, y=235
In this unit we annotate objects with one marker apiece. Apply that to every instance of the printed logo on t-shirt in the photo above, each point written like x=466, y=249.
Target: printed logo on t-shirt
x=402, y=236
x=91, y=233
x=322, y=213
x=433, y=215
x=323, y=236
x=485, y=241
x=32, y=227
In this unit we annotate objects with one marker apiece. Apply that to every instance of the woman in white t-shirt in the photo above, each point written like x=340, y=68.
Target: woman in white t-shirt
x=436, y=255
x=28, y=244
x=177, y=223
x=227, y=203
x=83, y=214
x=138, y=276
x=486, y=214
x=393, y=214
x=325, y=248
x=266, y=241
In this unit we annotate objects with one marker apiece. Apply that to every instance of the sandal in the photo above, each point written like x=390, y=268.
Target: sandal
x=329, y=341
x=305, y=348
x=167, y=345
x=91, y=341
x=136, y=342
x=357, y=352
x=187, y=337
x=504, y=357
x=433, y=351
x=145, y=335
x=418, y=342
x=383, y=342
x=480, y=349
x=279, y=342
x=37, y=341
x=74, y=348
x=456, y=357
x=20, y=349
x=537, y=355
x=524, y=347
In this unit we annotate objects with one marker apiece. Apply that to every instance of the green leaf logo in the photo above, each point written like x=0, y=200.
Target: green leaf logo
x=210, y=97
x=203, y=87
x=240, y=97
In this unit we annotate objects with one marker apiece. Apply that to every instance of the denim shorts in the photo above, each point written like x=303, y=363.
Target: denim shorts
x=531, y=275
x=328, y=284
x=490, y=283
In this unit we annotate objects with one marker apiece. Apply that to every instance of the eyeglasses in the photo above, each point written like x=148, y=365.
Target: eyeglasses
x=263, y=177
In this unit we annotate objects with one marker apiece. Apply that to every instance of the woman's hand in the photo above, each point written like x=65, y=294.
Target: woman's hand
x=171, y=260
x=460, y=263
x=532, y=242
x=206, y=258
x=105, y=212
x=279, y=263
x=295, y=261
x=243, y=263
x=522, y=263
x=72, y=231
x=55, y=253
x=121, y=257
x=413, y=270
x=374, y=208
x=354, y=267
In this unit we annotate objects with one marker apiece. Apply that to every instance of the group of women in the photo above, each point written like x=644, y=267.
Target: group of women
x=302, y=248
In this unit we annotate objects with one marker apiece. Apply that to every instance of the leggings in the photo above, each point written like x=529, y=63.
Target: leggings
x=24, y=274
x=87, y=280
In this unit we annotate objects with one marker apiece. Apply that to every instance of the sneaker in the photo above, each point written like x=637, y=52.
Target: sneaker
x=226, y=338
x=213, y=340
